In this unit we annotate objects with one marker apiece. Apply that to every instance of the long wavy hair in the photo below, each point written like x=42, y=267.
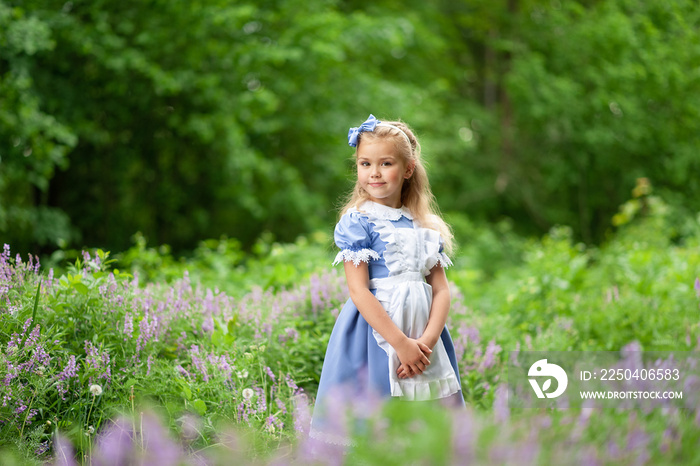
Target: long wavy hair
x=416, y=194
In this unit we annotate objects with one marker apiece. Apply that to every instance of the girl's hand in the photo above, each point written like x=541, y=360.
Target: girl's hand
x=413, y=355
x=403, y=371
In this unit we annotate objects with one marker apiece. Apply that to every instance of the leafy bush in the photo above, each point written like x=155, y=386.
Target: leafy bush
x=222, y=263
x=83, y=347
x=86, y=353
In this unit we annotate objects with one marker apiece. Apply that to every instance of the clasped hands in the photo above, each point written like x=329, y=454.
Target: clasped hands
x=414, y=356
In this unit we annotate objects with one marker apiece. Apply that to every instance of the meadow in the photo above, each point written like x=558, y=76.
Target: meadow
x=138, y=357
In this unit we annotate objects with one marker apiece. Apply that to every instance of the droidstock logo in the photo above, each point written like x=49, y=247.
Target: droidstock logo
x=542, y=368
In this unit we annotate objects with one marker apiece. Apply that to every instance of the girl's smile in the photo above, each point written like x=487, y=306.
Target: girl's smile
x=380, y=172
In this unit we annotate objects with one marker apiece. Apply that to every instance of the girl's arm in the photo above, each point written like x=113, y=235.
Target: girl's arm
x=410, y=351
x=438, y=313
x=440, y=307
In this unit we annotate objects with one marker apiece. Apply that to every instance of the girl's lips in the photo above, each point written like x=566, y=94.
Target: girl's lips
x=375, y=185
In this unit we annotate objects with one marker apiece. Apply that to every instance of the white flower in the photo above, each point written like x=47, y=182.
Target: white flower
x=248, y=393
x=96, y=390
x=242, y=374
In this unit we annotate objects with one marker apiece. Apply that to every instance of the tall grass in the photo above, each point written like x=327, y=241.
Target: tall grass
x=97, y=360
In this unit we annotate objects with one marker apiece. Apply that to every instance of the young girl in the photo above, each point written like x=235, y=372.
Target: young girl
x=390, y=338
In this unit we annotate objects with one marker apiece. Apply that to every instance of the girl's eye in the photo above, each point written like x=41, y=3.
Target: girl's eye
x=364, y=164
x=388, y=164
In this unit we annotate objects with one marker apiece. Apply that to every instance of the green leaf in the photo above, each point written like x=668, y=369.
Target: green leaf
x=200, y=406
x=232, y=324
x=186, y=391
x=81, y=288
x=36, y=302
x=217, y=337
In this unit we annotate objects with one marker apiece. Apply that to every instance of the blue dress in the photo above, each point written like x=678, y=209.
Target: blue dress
x=359, y=364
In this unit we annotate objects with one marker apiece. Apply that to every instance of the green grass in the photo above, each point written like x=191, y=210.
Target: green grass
x=216, y=353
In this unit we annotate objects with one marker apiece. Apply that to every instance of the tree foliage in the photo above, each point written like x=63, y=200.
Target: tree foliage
x=191, y=120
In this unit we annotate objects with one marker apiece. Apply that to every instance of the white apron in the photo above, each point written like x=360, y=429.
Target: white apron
x=410, y=255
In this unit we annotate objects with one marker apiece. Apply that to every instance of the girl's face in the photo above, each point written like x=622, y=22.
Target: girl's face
x=381, y=172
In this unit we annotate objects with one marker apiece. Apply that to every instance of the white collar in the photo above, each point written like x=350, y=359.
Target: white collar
x=385, y=212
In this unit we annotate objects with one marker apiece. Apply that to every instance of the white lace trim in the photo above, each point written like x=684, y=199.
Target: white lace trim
x=383, y=212
x=432, y=389
x=361, y=255
x=444, y=261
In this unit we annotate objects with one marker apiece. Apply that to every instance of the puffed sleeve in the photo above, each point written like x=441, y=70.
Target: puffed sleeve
x=352, y=236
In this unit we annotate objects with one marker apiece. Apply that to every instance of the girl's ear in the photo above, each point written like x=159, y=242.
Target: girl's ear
x=409, y=170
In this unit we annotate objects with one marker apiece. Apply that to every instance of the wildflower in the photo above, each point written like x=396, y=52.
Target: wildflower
x=270, y=425
x=90, y=431
x=489, y=358
x=500, y=403
x=182, y=371
x=248, y=355
x=69, y=371
x=128, y=325
x=290, y=333
x=242, y=374
x=248, y=393
x=96, y=390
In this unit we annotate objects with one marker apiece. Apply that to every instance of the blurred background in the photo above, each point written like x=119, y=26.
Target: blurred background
x=166, y=122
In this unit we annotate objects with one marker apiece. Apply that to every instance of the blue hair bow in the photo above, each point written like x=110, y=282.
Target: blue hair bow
x=368, y=125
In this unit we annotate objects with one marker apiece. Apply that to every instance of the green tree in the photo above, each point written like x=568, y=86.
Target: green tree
x=32, y=142
x=198, y=119
x=579, y=100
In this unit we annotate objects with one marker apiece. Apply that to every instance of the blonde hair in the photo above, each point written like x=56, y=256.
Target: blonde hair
x=415, y=191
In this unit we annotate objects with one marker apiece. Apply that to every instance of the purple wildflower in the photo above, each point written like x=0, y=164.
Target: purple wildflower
x=198, y=362
x=99, y=362
x=183, y=371
x=492, y=349
x=128, y=325
x=114, y=445
x=69, y=371
x=637, y=441
x=281, y=406
x=464, y=436
x=302, y=413
x=158, y=448
x=500, y=403
x=290, y=333
x=64, y=451
x=180, y=339
x=291, y=384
